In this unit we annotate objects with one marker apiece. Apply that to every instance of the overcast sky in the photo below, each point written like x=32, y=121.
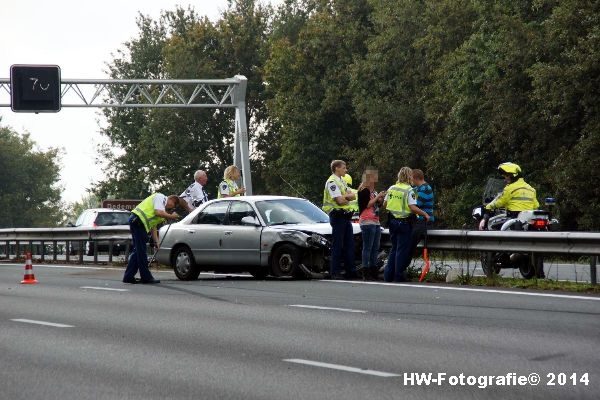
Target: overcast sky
x=79, y=36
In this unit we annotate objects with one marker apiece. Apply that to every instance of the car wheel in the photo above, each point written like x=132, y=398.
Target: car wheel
x=285, y=260
x=184, y=266
x=488, y=263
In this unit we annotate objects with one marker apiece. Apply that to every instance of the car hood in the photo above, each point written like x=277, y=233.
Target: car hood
x=322, y=229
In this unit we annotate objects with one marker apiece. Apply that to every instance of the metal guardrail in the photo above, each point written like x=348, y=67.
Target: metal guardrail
x=61, y=240
x=584, y=243
x=570, y=243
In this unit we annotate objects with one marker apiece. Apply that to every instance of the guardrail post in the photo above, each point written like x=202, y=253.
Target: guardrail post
x=110, y=250
x=54, y=250
x=593, y=261
x=95, y=244
x=68, y=251
x=43, y=255
x=17, y=253
x=81, y=249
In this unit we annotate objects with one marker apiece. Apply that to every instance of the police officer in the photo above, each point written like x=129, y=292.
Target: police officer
x=195, y=194
x=400, y=201
x=143, y=221
x=336, y=202
x=517, y=195
x=228, y=187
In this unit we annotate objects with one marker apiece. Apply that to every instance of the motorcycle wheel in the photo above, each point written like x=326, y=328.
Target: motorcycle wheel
x=529, y=266
x=488, y=263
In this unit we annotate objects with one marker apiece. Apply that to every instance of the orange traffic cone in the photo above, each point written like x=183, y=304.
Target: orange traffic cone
x=29, y=278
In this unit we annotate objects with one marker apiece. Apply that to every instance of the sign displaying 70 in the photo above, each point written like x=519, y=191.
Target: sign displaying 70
x=35, y=88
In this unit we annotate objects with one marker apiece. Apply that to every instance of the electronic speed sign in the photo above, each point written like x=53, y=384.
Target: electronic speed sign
x=35, y=88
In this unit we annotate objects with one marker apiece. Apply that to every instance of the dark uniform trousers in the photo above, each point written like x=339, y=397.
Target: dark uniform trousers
x=400, y=236
x=342, y=246
x=138, y=259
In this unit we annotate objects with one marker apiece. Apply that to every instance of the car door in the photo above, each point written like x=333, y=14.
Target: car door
x=204, y=234
x=241, y=243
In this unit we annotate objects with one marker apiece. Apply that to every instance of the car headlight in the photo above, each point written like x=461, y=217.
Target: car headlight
x=317, y=240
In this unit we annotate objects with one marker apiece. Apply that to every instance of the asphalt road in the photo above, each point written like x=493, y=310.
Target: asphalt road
x=82, y=334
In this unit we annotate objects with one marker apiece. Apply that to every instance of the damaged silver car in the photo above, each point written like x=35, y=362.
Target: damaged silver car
x=263, y=235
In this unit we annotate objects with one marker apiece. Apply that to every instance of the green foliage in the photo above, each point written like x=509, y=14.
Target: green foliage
x=29, y=191
x=453, y=87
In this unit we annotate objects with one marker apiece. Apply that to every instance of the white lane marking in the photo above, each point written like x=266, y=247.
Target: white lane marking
x=104, y=288
x=31, y=321
x=401, y=285
x=341, y=368
x=327, y=308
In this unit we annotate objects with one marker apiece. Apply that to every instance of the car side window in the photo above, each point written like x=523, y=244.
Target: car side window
x=239, y=210
x=213, y=214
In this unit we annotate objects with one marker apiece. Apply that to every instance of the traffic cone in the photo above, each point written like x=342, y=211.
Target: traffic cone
x=29, y=278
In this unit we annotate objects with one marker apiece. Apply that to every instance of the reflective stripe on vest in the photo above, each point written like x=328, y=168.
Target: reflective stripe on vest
x=146, y=213
x=397, y=203
x=522, y=194
x=328, y=201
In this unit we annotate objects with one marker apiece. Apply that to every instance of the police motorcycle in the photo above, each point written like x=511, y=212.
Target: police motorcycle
x=529, y=264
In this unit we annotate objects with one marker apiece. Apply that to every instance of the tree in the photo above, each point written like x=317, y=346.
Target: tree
x=163, y=147
x=566, y=85
x=29, y=191
x=307, y=76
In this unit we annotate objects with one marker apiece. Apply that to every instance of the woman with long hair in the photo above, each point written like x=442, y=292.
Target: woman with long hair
x=369, y=202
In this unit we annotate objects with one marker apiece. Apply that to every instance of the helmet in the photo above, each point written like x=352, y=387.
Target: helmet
x=509, y=168
x=348, y=179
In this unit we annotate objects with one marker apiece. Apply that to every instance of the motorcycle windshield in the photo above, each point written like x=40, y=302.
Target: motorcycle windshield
x=492, y=188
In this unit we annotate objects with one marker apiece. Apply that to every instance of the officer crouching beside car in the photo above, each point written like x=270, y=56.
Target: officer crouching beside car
x=337, y=200
x=143, y=221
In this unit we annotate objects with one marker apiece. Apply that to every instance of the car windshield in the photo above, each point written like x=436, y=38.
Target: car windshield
x=112, y=218
x=290, y=211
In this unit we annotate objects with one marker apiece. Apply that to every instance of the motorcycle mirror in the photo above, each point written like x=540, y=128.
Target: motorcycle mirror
x=477, y=213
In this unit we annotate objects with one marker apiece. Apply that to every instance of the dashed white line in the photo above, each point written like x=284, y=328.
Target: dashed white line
x=327, y=308
x=104, y=288
x=341, y=368
x=31, y=321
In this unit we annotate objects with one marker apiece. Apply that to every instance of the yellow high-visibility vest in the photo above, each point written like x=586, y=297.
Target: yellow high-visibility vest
x=397, y=203
x=328, y=202
x=146, y=213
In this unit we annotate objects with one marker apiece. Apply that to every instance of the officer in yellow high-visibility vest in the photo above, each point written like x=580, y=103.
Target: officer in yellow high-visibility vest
x=228, y=187
x=336, y=202
x=517, y=195
x=142, y=222
x=401, y=203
